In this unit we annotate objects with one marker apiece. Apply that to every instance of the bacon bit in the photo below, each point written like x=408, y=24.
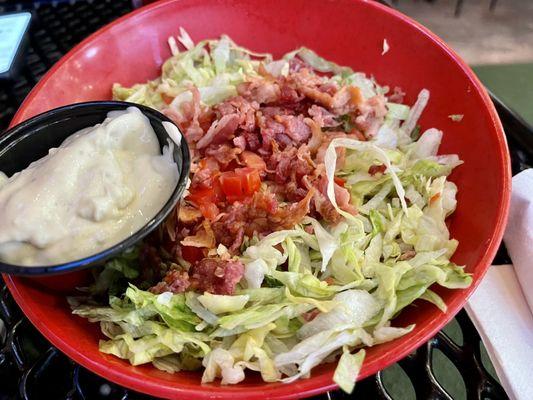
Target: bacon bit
x=356, y=98
x=377, y=169
x=237, y=242
x=175, y=281
x=342, y=102
x=204, y=237
x=434, y=198
x=264, y=73
x=188, y=215
x=220, y=131
x=407, y=255
x=316, y=135
x=397, y=95
x=358, y=134
x=329, y=280
x=322, y=117
x=166, y=98
x=216, y=276
x=311, y=315
x=316, y=95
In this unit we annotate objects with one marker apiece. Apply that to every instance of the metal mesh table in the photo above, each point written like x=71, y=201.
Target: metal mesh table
x=31, y=368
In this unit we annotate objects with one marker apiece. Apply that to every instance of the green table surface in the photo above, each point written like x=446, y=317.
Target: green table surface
x=513, y=84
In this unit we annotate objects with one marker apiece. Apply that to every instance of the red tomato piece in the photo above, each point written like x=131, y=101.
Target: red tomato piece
x=339, y=181
x=231, y=184
x=192, y=254
x=251, y=181
x=201, y=196
x=209, y=210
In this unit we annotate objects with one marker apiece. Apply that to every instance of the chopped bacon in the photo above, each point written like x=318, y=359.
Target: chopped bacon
x=317, y=136
x=342, y=197
x=342, y=101
x=252, y=140
x=407, y=255
x=220, y=131
x=372, y=114
x=324, y=207
x=238, y=241
x=175, y=281
x=377, y=169
x=260, y=215
x=188, y=215
x=330, y=87
x=261, y=90
x=289, y=94
x=240, y=142
x=223, y=153
x=216, y=276
x=322, y=117
x=242, y=107
x=281, y=127
x=204, y=237
x=295, y=127
x=204, y=172
x=316, y=95
x=311, y=315
x=290, y=164
x=397, y=95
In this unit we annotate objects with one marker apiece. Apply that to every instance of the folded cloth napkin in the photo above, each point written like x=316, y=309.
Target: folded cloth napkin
x=502, y=306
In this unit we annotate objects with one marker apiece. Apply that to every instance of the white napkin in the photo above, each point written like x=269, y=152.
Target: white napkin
x=502, y=317
x=499, y=307
x=519, y=232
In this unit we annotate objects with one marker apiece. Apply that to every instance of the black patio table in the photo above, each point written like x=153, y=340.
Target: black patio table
x=31, y=368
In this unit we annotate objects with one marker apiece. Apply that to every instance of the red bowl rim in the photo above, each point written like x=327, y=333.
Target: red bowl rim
x=313, y=385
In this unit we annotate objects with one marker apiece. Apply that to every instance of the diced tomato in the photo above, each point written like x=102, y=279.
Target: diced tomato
x=217, y=188
x=209, y=210
x=253, y=160
x=202, y=195
x=241, y=183
x=251, y=181
x=339, y=181
x=231, y=184
x=192, y=254
x=166, y=98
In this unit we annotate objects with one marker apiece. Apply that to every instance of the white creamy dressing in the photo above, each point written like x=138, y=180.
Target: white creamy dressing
x=99, y=187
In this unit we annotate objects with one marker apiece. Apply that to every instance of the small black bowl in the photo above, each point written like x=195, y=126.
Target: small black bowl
x=31, y=140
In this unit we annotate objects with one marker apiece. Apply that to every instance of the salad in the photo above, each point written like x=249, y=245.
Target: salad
x=316, y=212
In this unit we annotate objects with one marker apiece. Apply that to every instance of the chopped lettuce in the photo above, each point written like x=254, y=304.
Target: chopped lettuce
x=348, y=368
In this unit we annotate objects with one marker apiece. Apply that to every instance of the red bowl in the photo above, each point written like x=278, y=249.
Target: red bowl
x=349, y=32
